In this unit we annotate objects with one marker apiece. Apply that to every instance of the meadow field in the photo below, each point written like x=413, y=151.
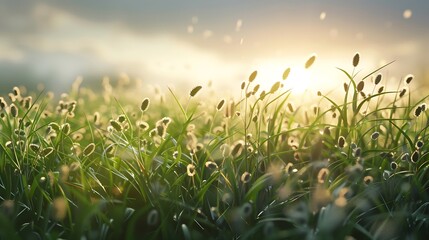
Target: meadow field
x=115, y=164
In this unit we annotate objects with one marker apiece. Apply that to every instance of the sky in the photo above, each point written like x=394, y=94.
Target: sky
x=189, y=42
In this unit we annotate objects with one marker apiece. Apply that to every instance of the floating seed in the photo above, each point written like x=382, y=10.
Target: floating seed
x=253, y=76
x=145, y=104
x=195, y=90
x=356, y=59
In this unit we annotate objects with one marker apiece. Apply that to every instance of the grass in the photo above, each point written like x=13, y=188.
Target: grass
x=91, y=166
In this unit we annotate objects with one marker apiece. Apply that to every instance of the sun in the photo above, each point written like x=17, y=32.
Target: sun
x=298, y=81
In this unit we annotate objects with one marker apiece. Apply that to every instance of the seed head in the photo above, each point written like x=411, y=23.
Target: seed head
x=375, y=135
x=65, y=128
x=418, y=111
x=381, y=89
x=152, y=217
x=190, y=170
x=310, y=61
x=220, y=105
x=195, y=90
x=211, y=165
x=378, y=79
x=89, y=150
x=115, y=124
x=393, y=165
x=253, y=76
x=368, y=180
x=245, y=177
x=402, y=93
x=341, y=142
x=321, y=176
x=419, y=144
x=409, y=78
x=275, y=87
x=360, y=86
x=290, y=107
x=356, y=59
x=145, y=104
x=286, y=73
x=13, y=110
x=47, y=151
x=415, y=156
